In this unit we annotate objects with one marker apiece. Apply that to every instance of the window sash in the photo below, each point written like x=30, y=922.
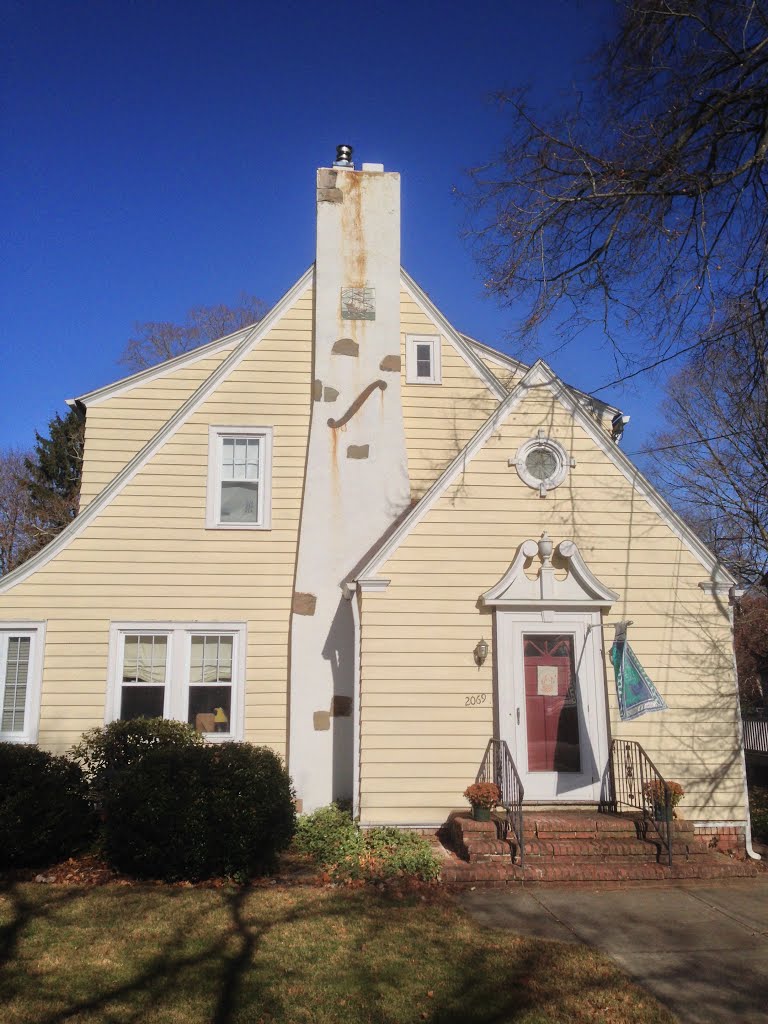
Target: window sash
x=17, y=659
x=21, y=653
x=181, y=672
x=239, y=478
x=422, y=359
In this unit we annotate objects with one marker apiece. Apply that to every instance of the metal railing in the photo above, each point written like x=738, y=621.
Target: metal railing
x=637, y=783
x=755, y=734
x=497, y=766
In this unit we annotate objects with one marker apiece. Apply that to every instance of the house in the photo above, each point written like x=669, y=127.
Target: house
x=358, y=536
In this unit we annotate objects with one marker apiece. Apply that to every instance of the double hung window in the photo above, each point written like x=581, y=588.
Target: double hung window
x=194, y=673
x=20, y=677
x=239, y=478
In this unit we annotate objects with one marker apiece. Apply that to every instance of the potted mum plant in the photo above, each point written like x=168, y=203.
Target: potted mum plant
x=655, y=795
x=483, y=796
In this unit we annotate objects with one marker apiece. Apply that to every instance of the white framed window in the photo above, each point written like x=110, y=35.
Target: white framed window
x=422, y=359
x=21, y=673
x=193, y=672
x=239, y=478
x=542, y=463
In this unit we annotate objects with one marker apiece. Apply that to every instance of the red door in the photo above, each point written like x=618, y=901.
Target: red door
x=551, y=711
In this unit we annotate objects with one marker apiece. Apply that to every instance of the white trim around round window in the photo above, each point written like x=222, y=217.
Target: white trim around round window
x=552, y=468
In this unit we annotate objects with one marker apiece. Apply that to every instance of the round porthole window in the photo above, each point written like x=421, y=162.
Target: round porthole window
x=542, y=463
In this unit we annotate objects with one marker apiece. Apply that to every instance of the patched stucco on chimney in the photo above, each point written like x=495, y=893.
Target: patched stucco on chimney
x=350, y=497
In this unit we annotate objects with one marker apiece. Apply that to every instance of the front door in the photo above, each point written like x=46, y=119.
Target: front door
x=552, y=703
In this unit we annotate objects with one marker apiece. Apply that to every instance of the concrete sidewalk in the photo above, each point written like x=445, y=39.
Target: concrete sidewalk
x=700, y=949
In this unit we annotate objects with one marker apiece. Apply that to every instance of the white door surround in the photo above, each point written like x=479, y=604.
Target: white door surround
x=531, y=610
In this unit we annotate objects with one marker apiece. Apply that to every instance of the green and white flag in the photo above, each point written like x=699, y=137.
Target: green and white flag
x=637, y=694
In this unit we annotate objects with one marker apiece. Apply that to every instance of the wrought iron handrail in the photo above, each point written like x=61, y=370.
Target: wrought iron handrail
x=498, y=766
x=637, y=783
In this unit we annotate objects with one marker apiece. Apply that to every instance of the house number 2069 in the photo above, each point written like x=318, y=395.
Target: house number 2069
x=479, y=698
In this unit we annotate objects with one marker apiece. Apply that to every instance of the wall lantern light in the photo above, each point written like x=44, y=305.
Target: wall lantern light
x=481, y=652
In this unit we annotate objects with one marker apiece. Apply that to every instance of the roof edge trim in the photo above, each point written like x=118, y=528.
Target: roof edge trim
x=541, y=373
x=151, y=373
x=155, y=443
x=464, y=349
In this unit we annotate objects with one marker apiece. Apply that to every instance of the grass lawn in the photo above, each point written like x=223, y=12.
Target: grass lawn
x=175, y=955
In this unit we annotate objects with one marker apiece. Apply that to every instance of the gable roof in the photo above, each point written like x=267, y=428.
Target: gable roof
x=250, y=338
x=459, y=342
x=538, y=375
x=509, y=363
x=210, y=348
x=463, y=344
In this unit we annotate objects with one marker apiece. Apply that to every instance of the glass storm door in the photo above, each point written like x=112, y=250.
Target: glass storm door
x=552, y=706
x=551, y=712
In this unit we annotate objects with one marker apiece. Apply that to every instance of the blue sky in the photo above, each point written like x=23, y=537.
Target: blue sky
x=160, y=155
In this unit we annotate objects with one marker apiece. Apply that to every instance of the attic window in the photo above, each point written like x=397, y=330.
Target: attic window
x=239, y=476
x=542, y=463
x=422, y=359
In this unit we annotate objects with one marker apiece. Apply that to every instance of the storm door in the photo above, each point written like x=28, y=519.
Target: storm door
x=552, y=704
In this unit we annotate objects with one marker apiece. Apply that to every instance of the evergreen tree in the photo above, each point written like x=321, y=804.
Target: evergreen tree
x=54, y=471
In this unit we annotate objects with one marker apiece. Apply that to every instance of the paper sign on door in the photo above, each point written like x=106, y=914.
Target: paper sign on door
x=546, y=677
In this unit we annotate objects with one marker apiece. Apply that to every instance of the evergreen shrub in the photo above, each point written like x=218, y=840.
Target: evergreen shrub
x=45, y=815
x=199, y=812
x=331, y=837
x=107, y=751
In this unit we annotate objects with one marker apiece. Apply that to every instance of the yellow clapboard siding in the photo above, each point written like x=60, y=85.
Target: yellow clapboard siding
x=148, y=557
x=418, y=635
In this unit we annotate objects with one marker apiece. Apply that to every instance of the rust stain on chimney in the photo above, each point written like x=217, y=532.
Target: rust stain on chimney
x=353, y=233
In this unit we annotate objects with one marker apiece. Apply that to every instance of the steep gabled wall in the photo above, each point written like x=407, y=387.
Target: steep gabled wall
x=148, y=556
x=422, y=741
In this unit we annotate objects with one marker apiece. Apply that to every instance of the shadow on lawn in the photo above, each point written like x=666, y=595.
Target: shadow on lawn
x=214, y=965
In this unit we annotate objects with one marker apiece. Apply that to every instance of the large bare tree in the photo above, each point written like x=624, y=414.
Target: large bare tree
x=712, y=458
x=156, y=341
x=643, y=203
x=15, y=509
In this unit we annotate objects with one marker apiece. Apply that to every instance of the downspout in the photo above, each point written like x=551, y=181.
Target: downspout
x=748, y=831
x=351, y=594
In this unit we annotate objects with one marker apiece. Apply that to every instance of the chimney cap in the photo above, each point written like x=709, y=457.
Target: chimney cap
x=343, y=157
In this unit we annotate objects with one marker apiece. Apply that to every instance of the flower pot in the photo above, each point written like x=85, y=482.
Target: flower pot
x=481, y=813
x=661, y=813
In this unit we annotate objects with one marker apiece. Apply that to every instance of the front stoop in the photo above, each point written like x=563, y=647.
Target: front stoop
x=578, y=846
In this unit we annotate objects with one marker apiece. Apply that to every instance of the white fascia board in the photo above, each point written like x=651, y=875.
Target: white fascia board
x=464, y=349
x=252, y=337
x=98, y=395
x=718, y=573
x=540, y=373
x=446, y=478
x=375, y=585
x=510, y=363
x=500, y=358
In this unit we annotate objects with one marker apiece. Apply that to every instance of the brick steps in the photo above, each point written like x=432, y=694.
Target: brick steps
x=578, y=846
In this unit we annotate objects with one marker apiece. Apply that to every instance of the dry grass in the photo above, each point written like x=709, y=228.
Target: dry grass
x=164, y=955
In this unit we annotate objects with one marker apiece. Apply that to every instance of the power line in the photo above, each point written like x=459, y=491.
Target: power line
x=682, y=444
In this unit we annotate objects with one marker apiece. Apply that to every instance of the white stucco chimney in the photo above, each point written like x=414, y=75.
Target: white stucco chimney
x=357, y=469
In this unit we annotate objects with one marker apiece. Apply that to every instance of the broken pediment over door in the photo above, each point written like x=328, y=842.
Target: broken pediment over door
x=518, y=588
